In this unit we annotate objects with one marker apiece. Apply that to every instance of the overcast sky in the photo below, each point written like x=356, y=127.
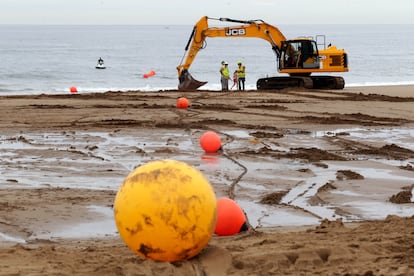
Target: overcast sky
x=189, y=11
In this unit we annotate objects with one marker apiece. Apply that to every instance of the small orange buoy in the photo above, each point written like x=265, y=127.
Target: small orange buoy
x=210, y=142
x=230, y=217
x=73, y=89
x=182, y=103
x=149, y=74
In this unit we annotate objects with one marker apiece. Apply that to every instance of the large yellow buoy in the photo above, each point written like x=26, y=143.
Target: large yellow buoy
x=165, y=210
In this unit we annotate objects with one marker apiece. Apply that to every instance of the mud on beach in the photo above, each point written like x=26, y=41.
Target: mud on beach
x=326, y=179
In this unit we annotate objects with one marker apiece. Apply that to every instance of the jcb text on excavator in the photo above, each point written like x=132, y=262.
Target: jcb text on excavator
x=299, y=57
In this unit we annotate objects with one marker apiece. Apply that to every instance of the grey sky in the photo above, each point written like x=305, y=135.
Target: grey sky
x=189, y=11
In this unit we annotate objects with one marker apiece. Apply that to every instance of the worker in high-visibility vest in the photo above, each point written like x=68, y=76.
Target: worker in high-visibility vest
x=241, y=75
x=225, y=76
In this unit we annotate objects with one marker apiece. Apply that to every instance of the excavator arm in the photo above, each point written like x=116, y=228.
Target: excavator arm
x=201, y=30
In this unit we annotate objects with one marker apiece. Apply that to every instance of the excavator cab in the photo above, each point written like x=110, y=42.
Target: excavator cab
x=299, y=54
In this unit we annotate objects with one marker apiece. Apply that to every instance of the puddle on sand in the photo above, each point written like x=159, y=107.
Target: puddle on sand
x=378, y=210
x=403, y=137
x=77, y=160
x=7, y=238
x=103, y=226
x=96, y=160
x=260, y=215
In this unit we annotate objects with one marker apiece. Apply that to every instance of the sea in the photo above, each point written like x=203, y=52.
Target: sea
x=49, y=59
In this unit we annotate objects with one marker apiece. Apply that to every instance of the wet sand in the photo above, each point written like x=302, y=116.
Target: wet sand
x=326, y=179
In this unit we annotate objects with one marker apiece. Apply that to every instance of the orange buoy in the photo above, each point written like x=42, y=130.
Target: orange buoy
x=182, y=103
x=149, y=74
x=73, y=89
x=230, y=217
x=210, y=142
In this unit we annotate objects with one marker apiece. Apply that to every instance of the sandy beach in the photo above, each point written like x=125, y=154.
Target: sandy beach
x=326, y=179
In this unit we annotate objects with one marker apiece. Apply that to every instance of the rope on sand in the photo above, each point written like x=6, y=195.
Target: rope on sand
x=234, y=183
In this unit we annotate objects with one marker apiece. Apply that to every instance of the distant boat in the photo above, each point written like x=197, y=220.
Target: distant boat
x=100, y=64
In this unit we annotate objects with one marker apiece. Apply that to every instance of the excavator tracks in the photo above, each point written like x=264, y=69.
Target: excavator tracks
x=311, y=82
x=328, y=82
x=278, y=83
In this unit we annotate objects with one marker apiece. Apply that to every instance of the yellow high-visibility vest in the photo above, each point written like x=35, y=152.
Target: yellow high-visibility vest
x=241, y=71
x=225, y=71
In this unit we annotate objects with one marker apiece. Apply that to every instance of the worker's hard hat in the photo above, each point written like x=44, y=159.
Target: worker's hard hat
x=239, y=62
x=226, y=63
x=223, y=62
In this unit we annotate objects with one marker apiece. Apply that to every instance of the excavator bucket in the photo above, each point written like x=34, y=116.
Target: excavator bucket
x=188, y=83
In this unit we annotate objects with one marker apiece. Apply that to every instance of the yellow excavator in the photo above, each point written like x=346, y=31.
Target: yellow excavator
x=299, y=57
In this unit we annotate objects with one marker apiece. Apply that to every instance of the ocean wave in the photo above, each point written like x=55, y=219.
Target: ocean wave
x=149, y=88
x=357, y=84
